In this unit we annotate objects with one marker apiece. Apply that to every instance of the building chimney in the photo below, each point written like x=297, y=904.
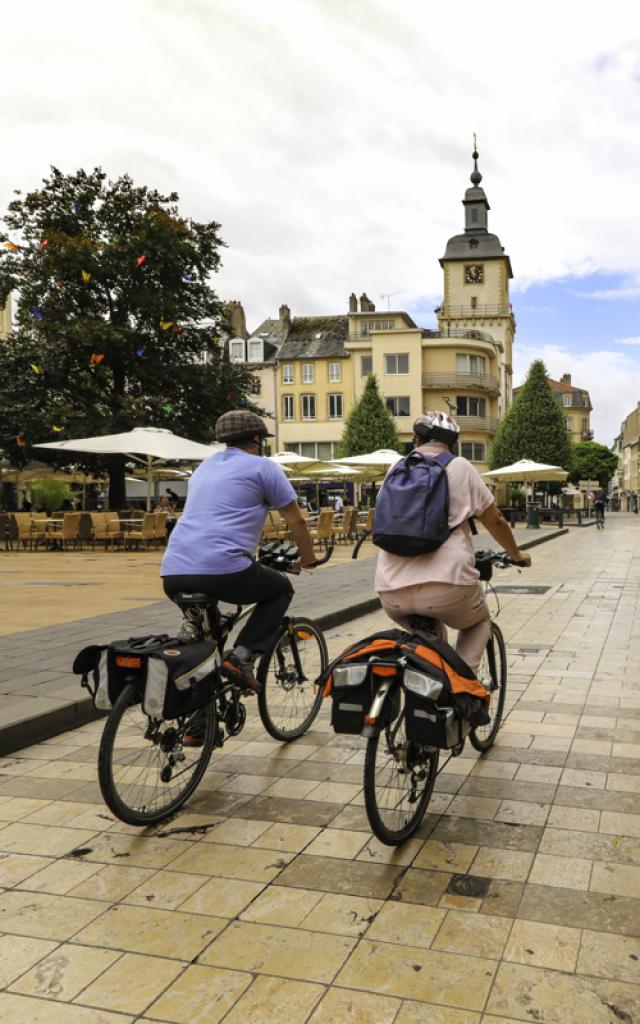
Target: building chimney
x=366, y=305
x=237, y=320
x=353, y=303
x=566, y=379
x=285, y=314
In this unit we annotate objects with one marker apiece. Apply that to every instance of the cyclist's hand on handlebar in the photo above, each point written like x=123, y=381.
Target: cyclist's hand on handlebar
x=523, y=559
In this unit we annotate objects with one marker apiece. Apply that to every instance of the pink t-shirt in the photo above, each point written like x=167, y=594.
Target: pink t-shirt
x=453, y=561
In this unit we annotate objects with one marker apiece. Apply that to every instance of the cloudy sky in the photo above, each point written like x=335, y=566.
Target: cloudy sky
x=331, y=139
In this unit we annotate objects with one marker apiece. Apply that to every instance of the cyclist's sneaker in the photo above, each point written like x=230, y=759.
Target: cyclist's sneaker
x=239, y=669
x=190, y=628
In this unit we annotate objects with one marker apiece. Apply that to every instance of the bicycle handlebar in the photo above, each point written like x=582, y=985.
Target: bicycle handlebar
x=500, y=559
x=278, y=556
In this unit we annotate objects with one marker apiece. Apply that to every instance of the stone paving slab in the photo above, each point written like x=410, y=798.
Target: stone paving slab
x=39, y=696
x=284, y=908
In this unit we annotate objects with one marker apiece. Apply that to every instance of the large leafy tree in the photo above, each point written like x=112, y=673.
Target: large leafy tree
x=369, y=425
x=593, y=461
x=534, y=427
x=116, y=319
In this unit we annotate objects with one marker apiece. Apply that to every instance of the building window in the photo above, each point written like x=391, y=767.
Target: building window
x=292, y=446
x=367, y=326
x=399, y=405
x=474, y=302
x=335, y=407
x=470, y=406
x=308, y=407
x=288, y=373
x=236, y=350
x=324, y=450
x=396, y=362
x=569, y=424
x=308, y=373
x=366, y=366
x=474, y=451
x=585, y=426
x=335, y=371
x=566, y=401
x=255, y=351
x=288, y=407
x=470, y=364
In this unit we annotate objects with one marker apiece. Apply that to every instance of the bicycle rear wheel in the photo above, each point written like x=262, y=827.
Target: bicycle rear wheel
x=399, y=776
x=144, y=770
x=289, y=699
x=493, y=669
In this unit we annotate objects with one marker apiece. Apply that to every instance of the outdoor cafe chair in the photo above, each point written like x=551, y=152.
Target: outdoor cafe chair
x=146, y=534
x=30, y=528
x=325, y=530
x=8, y=530
x=105, y=528
x=69, y=532
x=345, y=530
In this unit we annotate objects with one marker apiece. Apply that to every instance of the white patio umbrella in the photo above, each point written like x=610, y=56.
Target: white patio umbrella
x=383, y=458
x=527, y=471
x=147, y=445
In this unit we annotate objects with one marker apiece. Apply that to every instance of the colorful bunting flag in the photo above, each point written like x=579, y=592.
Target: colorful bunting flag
x=96, y=358
x=21, y=442
x=38, y=314
x=168, y=407
x=140, y=351
x=10, y=245
x=57, y=430
x=86, y=276
x=140, y=260
x=35, y=368
x=166, y=324
x=44, y=243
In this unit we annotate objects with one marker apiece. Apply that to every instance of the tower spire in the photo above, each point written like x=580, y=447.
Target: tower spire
x=476, y=177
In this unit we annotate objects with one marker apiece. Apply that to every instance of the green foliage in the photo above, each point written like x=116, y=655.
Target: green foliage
x=115, y=313
x=592, y=461
x=49, y=494
x=534, y=427
x=517, y=497
x=369, y=425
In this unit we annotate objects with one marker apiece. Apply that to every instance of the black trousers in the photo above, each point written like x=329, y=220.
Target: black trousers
x=270, y=590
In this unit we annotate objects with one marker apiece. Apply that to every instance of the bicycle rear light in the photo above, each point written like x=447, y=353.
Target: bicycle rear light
x=349, y=675
x=421, y=684
x=124, y=661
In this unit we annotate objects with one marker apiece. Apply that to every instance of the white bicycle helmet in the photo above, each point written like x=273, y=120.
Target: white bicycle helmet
x=436, y=426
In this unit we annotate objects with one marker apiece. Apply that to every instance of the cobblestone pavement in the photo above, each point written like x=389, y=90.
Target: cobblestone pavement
x=287, y=910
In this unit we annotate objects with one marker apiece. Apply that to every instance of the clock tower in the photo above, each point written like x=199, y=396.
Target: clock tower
x=477, y=272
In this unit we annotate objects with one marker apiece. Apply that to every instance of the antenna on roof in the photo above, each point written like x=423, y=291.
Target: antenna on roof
x=387, y=296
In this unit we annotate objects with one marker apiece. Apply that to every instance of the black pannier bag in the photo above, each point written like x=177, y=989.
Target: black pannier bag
x=354, y=687
x=443, y=698
x=174, y=678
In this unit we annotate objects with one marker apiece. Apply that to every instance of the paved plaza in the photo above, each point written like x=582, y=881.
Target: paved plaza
x=518, y=900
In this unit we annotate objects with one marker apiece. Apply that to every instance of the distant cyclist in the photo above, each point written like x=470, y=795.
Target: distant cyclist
x=599, y=503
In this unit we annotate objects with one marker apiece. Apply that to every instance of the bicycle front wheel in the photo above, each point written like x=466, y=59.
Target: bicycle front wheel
x=399, y=776
x=289, y=699
x=145, y=771
x=493, y=671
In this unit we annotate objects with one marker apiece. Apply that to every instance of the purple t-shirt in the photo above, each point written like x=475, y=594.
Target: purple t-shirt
x=219, y=530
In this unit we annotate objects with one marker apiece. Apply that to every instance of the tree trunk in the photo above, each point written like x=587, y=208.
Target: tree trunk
x=117, y=485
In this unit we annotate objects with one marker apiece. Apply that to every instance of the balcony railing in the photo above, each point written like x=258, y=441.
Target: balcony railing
x=586, y=435
x=469, y=311
x=488, y=424
x=460, y=332
x=444, y=379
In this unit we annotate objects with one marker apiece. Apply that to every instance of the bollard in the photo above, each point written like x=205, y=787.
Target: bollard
x=533, y=518
x=560, y=518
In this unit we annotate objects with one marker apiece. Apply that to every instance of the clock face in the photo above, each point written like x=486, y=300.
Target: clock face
x=474, y=273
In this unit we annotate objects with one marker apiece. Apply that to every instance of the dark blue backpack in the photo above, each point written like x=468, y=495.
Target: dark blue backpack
x=412, y=510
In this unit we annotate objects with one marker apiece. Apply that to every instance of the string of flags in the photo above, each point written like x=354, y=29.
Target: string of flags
x=96, y=358
x=12, y=246
x=140, y=260
x=36, y=368
x=86, y=276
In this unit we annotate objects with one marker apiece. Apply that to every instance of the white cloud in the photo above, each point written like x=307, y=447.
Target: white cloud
x=611, y=378
x=331, y=138
x=626, y=341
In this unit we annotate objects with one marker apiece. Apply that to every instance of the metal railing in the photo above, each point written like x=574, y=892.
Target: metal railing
x=467, y=311
x=489, y=424
x=586, y=435
x=460, y=332
x=446, y=379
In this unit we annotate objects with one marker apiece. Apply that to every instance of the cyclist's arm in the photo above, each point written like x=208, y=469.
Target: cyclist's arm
x=493, y=521
x=300, y=533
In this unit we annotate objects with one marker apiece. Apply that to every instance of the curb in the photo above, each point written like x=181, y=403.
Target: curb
x=71, y=716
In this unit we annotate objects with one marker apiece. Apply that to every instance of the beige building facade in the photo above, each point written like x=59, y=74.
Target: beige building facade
x=5, y=319
x=576, y=405
x=313, y=369
x=629, y=475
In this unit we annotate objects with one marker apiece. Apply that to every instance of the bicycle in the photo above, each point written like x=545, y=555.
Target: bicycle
x=145, y=770
x=399, y=774
x=599, y=517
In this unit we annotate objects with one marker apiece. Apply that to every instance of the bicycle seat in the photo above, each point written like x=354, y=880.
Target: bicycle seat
x=193, y=600
x=423, y=623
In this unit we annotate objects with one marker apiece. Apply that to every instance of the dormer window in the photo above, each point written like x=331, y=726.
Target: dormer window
x=236, y=350
x=255, y=353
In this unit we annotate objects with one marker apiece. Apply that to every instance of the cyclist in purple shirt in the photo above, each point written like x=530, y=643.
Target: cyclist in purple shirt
x=212, y=547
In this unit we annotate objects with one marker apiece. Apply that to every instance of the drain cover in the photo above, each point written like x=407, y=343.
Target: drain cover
x=506, y=589
x=469, y=885
x=59, y=583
